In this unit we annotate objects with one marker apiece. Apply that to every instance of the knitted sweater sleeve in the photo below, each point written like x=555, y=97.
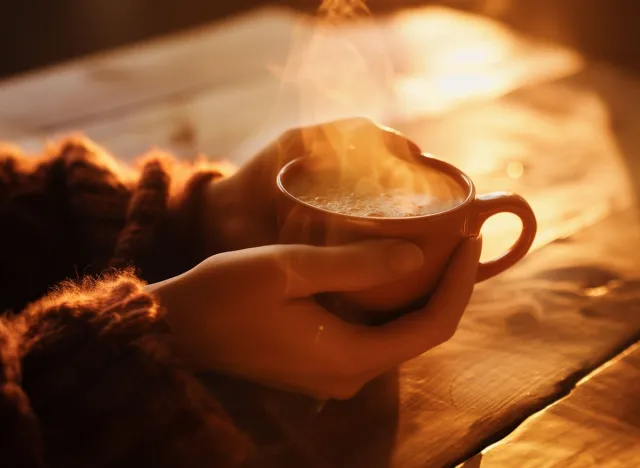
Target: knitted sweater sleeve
x=86, y=373
x=75, y=212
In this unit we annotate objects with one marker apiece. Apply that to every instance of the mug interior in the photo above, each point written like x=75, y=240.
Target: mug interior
x=315, y=164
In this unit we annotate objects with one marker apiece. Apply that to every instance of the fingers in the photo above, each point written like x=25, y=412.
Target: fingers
x=320, y=364
x=369, y=352
x=413, y=334
x=353, y=267
x=452, y=297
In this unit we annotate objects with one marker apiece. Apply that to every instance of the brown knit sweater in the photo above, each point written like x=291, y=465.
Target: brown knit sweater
x=86, y=375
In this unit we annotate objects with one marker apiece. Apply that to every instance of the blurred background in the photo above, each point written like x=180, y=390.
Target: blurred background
x=34, y=33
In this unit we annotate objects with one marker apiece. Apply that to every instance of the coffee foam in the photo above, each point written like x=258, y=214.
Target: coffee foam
x=368, y=194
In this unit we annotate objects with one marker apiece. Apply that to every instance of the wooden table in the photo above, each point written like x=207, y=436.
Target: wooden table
x=543, y=370
x=597, y=424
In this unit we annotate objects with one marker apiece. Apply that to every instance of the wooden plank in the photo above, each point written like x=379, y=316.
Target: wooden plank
x=528, y=336
x=226, y=53
x=597, y=424
x=13, y=133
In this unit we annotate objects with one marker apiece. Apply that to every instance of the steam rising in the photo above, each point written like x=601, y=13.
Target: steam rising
x=358, y=150
x=340, y=10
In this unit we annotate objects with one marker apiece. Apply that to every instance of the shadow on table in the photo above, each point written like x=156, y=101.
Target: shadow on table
x=295, y=431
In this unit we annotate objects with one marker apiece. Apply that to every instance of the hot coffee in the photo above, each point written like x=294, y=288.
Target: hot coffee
x=316, y=195
x=420, y=192
x=356, y=182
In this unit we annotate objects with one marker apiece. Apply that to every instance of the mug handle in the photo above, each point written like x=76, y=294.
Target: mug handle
x=491, y=204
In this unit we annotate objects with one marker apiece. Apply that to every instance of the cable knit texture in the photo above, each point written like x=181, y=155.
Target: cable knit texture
x=86, y=373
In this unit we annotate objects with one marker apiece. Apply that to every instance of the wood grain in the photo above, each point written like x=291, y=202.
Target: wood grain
x=596, y=425
x=527, y=338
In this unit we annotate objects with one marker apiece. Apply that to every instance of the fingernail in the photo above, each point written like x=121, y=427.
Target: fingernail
x=405, y=257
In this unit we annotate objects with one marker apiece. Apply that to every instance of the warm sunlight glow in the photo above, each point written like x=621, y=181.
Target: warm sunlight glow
x=413, y=64
x=452, y=57
x=515, y=169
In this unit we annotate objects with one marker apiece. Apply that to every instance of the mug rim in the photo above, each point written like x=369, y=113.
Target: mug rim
x=424, y=158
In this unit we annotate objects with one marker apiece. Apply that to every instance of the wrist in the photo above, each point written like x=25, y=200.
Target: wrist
x=168, y=298
x=184, y=310
x=162, y=292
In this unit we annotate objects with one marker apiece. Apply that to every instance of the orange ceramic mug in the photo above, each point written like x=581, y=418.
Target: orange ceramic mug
x=437, y=234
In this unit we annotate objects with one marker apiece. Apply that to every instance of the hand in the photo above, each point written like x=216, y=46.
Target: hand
x=251, y=313
x=240, y=211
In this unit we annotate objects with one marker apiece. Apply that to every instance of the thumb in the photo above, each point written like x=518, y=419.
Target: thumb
x=352, y=267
